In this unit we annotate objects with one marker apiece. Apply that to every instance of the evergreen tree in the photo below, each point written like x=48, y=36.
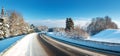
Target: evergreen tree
x=69, y=24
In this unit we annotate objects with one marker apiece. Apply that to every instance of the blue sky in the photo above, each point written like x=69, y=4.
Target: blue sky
x=60, y=9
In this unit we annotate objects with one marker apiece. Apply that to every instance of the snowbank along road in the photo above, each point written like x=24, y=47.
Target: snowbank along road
x=28, y=46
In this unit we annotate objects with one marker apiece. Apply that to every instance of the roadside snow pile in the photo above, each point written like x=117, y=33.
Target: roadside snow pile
x=109, y=35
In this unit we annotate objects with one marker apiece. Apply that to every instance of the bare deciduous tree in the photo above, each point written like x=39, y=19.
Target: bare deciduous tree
x=98, y=24
x=17, y=24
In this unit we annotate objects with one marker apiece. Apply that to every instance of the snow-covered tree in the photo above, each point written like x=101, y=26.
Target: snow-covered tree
x=43, y=28
x=4, y=25
x=99, y=23
x=17, y=24
x=78, y=33
x=33, y=28
x=75, y=32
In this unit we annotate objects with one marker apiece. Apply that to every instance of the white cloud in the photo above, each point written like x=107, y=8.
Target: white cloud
x=56, y=23
x=61, y=22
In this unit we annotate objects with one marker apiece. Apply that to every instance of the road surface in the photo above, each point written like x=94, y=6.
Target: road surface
x=28, y=46
x=42, y=45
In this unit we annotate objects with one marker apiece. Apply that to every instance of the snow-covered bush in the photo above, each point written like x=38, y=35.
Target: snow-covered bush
x=78, y=33
x=75, y=32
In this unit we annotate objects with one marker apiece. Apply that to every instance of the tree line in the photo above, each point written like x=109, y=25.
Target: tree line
x=97, y=25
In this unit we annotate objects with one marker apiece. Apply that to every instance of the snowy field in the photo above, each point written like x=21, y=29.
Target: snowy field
x=109, y=35
x=6, y=43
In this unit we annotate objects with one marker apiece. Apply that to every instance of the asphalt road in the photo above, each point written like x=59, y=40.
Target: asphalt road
x=71, y=50
x=50, y=48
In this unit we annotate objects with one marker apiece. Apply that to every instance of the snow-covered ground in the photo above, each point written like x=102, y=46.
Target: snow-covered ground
x=6, y=43
x=22, y=45
x=90, y=43
x=27, y=46
x=109, y=35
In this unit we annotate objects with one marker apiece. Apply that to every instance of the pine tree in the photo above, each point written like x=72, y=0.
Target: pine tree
x=69, y=25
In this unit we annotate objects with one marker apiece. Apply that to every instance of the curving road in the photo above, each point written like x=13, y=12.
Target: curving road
x=28, y=46
x=41, y=45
